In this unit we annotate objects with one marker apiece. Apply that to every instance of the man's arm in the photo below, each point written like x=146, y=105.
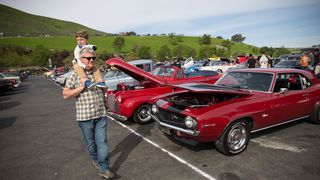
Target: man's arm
x=69, y=93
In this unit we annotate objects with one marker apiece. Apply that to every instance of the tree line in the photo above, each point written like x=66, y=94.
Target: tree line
x=17, y=56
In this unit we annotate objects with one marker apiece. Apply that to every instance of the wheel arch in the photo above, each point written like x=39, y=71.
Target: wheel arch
x=314, y=114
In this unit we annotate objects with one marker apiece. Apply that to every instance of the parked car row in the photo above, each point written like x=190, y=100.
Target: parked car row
x=9, y=81
x=133, y=102
x=224, y=110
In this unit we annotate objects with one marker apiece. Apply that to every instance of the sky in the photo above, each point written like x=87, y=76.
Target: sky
x=272, y=23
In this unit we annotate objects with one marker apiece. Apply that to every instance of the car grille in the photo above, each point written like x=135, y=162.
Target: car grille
x=112, y=103
x=172, y=118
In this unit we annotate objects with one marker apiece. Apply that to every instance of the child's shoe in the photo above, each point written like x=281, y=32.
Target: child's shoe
x=88, y=84
x=101, y=84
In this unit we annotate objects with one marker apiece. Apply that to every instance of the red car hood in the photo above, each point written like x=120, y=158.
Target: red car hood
x=202, y=87
x=136, y=73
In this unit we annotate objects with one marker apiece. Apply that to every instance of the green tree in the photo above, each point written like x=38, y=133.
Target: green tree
x=205, y=39
x=105, y=55
x=184, y=51
x=281, y=51
x=145, y=52
x=40, y=56
x=227, y=44
x=207, y=51
x=172, y=39
x=238, y=38
x=135, y=48
x=118, y=43
x=164, y=52
x=219, y=37
x=267, y=50
x=132, y=56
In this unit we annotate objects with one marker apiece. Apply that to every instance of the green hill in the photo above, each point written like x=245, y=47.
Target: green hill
x=17, y=23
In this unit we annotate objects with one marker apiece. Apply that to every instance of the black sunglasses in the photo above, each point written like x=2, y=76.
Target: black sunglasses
x=89, y=58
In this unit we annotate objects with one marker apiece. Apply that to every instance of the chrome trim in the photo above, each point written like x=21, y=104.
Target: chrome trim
x=278, y=124
x=117, y=116
x=187, y=131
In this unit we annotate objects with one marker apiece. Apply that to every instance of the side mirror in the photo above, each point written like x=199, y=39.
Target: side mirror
x=283, y=90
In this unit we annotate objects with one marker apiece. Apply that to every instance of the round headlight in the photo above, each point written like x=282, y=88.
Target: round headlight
x=190, y=122
x=154, y=109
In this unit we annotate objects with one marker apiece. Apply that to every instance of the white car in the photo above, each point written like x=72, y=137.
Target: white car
x=219, y=66
x=15, y=80
x=63, y=78
x=113, y=77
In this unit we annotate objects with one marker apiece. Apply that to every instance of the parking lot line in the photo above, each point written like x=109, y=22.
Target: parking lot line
x=202, y=173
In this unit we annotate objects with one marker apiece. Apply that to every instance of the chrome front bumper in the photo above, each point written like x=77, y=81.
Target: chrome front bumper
x=186, y=131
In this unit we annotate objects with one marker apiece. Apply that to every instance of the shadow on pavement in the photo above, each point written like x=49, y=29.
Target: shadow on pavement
x=128, y=144
x=7, y=122
x=8, y=105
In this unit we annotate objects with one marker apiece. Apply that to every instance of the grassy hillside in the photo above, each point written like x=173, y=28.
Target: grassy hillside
x=14, y=22
x=105, y=43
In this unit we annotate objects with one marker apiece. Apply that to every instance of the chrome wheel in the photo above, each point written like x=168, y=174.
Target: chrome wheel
x=234, y=139
x=141, y=115
x=237, y=137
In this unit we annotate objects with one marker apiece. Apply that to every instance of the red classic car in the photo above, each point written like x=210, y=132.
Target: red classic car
x=241, y=102
x=133, y=102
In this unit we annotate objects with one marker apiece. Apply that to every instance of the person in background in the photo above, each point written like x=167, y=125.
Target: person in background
x=270, y=62
x=251, y=61
x=305, y=60
x=91, y=113
x=82, y=41
x=263, y=61
x=316, y=57
x=311, y=57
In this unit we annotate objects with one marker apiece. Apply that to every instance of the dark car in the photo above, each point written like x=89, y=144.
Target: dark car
x=5, y=85
x=295, y=64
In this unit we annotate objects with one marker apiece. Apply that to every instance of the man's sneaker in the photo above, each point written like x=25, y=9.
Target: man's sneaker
x=107, y=174
x=95, y=164
x=101, y=84
x=88, y=84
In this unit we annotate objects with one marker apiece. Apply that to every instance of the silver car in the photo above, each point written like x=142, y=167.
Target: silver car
x=113, y=77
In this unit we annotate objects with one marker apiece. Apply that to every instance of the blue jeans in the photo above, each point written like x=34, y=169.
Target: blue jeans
x=95, y=137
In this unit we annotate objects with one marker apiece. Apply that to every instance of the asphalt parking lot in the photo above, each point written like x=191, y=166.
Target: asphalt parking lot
x=40, y=139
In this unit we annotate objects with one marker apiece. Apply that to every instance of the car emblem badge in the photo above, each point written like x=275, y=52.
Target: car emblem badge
x=174, y=117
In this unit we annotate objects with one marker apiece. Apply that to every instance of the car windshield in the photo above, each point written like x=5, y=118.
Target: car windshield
x=247, y=80
x=163, y=71
x=113, y=73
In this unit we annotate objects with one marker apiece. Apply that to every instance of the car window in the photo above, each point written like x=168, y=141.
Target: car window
x=111, y=73
x=163, y=71
x=146, y=67
x=247, y=80
x=291, y=81
x=180, y=73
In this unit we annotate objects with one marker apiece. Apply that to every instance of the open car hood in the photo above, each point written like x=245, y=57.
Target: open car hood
x=210, y=88
x=136, y=73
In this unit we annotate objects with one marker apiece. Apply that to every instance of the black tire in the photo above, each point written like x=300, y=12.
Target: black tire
x=315, y=116
x=140, y=115
x=234, y=139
